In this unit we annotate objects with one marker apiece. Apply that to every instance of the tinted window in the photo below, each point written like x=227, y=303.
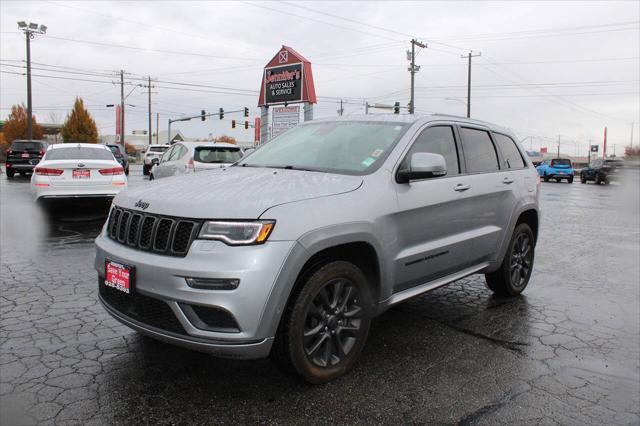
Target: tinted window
x=479, y=152
x=75, y=153
x=217, y=154
x=115, y=151
x=27, y=146
x=438, y=140
x=158, y=148
x=512, y=158
x=560, y=162
x=347, y=147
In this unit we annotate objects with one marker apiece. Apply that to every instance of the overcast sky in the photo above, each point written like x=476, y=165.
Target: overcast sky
x=546, y=68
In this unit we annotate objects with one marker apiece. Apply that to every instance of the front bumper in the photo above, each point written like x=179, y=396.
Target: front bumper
x=163, y=278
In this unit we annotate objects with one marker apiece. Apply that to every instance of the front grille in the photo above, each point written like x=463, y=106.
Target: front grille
x=144, y=309
x=171, y=236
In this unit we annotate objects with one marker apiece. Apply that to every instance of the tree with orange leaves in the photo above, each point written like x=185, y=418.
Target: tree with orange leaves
x=16, y=125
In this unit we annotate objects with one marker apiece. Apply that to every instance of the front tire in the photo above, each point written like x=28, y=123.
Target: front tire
x=10, y=173
x=558, y=180
x=151, y=176
x=145, y=170
x=326, y=323
x=513, y=275
x=546, y=178
x=570, y=180
x=583, y=179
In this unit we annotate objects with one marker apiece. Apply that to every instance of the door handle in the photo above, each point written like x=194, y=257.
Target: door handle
x=507, y=180
x=460, y=187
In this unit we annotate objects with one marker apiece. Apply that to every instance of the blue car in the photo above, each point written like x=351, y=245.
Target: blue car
x=558, y=169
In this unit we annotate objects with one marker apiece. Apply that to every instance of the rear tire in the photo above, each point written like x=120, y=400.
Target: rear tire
x=325, y=324
x=570, y=180
x=558, y=180
x=513, y=275
x=10, y=173
x=126, y=172
x=145, y=170
x=151, y=176
x=583, y=179
x=546, y=178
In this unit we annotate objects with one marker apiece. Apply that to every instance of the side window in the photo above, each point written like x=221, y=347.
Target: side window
x=175, y=152
x=510, y=152
x=181, y=152
x=167, y=155
x=438, y=140
x=479, y=152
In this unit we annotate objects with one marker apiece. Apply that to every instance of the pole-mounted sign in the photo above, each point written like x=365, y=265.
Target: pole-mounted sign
x=287, y=79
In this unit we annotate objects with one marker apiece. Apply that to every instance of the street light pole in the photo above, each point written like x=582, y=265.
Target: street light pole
x=30, y=31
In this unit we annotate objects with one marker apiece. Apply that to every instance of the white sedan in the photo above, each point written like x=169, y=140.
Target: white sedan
x=77, y=170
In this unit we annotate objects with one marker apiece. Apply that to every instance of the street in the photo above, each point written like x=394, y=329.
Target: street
x=567, y=351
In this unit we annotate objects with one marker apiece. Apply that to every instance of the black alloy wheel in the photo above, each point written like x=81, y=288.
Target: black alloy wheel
x=521, y=260
x=326, y=323
x=333, y=323
x=515, y=271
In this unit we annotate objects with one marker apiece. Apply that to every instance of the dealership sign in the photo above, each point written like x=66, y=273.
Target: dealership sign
x=283, y=84
x=284, y=118
x=287, y=79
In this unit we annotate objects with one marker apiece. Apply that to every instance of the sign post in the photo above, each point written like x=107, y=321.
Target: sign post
x=287, y=79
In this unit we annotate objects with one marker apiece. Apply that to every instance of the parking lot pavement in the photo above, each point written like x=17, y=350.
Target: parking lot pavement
x=567, y=351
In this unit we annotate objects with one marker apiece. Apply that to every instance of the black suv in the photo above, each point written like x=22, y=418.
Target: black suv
x=121, y=157
x=23, y=156
x=602, y=171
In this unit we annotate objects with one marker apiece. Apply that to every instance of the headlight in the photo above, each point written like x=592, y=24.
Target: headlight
x=236, y=232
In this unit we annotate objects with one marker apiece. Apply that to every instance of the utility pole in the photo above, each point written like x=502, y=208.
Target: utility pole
x=341, y=110
x=558, y=146
x=30, y=30
x=149, y=110
x=413, y=69
x=469, y=56
x=631, y=139
x=122, y=133
x=157, y=127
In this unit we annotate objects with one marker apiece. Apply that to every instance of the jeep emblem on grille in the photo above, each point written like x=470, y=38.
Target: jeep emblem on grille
x=141, y=204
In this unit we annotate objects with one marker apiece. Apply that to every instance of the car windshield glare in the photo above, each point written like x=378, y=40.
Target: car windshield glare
x=343, y=147
x=73, y=153
x=217, y=154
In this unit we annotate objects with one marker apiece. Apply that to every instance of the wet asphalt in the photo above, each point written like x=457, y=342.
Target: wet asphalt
x=566, y=352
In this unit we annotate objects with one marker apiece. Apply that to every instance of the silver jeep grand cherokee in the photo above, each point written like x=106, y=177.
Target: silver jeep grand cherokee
x=294, y=249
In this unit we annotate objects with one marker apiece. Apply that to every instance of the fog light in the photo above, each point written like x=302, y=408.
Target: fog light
x=213, y=283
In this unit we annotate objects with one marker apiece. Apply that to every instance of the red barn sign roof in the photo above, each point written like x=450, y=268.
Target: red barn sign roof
x=287, y=79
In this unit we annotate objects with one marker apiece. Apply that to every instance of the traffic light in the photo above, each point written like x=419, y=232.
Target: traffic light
x=246, y=111
x=246, y=124
x=221, y=113
x=203, y=115
x=233, y=124
x=396, y=108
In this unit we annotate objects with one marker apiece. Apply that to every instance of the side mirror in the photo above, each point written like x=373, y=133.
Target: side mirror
x=155, y=161
x=423, y=165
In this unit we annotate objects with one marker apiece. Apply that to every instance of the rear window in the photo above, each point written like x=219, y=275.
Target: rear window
x=560, y=162
x=158, y=148
x=75, y=153
x=206, y=154
x=27, y=146
x=613, y=163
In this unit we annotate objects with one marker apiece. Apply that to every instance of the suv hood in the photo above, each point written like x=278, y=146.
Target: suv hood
x=234, y=192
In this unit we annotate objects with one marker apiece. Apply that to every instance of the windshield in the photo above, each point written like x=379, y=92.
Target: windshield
x=158, y=148
x=354, y=148
x=211, y=154
x=560, y=162
x=26, y=146
x=74, y=153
